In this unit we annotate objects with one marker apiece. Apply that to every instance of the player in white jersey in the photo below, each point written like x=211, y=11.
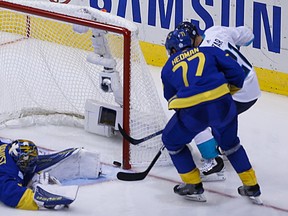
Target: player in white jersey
x=229, y=39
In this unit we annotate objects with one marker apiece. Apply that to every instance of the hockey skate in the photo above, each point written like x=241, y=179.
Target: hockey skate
x=192, y=192
x=212, y=170
x=252, y=192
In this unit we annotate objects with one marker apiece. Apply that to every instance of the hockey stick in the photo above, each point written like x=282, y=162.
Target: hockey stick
x=137, y=141
x=126, y=176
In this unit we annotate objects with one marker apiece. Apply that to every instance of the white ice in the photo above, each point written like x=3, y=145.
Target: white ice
x=262, y=131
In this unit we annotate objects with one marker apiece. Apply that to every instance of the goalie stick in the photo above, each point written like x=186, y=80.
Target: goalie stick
x=128, y=176
x=137, y=141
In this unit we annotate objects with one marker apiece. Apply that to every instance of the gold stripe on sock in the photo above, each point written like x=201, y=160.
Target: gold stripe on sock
x=192, y=177
x=248, y=177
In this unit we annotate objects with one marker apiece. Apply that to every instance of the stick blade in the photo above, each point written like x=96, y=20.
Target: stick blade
x=130, y=176
x=126, y=176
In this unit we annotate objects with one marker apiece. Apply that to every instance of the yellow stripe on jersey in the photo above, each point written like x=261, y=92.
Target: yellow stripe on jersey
x=248, y=178
x=233, y=89
x=192, y=177
x=27, y=202
x=176, y=103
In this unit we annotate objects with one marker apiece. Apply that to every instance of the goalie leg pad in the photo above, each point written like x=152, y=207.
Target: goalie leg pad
x=76, y=163
x=55, y=196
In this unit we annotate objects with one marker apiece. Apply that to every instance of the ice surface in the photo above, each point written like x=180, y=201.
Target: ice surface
x=262, y=130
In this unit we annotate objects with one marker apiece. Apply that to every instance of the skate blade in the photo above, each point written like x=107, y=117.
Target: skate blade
x=255, y=200
x=213, y=177
x=196, y=197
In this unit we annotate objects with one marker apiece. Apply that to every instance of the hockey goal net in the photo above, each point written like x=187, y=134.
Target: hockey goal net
x=45, y=72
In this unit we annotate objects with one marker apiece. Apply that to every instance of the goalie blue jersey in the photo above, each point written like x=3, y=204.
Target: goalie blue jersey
x=13, y=190
x=194, y=76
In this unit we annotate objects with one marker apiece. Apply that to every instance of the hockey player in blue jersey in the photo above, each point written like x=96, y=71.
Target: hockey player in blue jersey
x=16, y=170
x=20, y=185
x=195, y=82
x=229, y=39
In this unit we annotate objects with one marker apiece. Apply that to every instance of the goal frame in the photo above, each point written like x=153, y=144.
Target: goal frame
x=126, y=59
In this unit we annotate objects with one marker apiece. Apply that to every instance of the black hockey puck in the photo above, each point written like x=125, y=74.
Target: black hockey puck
x=116, y=163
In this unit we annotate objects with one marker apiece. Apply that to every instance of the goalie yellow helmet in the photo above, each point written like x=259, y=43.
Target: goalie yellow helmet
x=25, y=154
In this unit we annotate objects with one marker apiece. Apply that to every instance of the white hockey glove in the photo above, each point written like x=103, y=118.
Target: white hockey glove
x=46, y=178
x=43, y=178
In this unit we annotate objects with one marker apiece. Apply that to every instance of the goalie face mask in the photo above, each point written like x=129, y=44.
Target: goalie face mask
x=25, y=154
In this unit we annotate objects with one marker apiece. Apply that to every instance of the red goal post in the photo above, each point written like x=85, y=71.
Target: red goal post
x=126, y=70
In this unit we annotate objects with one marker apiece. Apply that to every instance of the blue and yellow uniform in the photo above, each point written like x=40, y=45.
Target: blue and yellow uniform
x=198, y=75
x=195, y=82
x=13, y=183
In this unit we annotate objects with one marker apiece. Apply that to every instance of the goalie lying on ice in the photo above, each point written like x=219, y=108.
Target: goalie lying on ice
x=26, y=180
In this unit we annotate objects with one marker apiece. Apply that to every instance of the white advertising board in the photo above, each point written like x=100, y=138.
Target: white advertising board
x=155, y=18
x=266, y=18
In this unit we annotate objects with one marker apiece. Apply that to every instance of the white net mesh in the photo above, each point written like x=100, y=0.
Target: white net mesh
x=44, y=71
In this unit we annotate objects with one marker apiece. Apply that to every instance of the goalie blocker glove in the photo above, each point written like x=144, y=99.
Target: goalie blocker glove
x=54, y=196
